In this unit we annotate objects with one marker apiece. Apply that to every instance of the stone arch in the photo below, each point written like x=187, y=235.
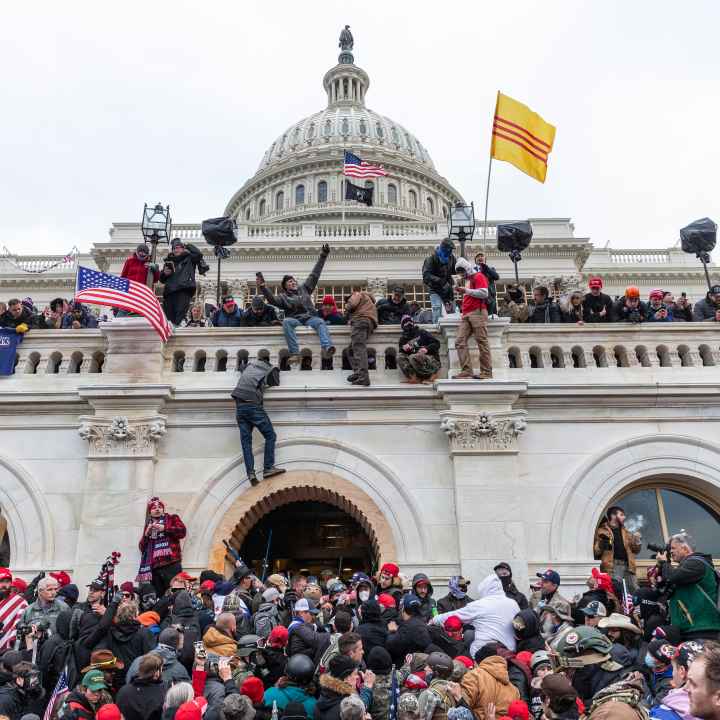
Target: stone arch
x=590, y=489
x=351, y=473
x=297, y=486
x=29, y=523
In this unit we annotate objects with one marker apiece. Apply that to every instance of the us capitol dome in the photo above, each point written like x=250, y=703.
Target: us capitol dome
x=300, y=175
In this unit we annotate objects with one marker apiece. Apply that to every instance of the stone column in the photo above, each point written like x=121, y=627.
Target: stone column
x=491, y=501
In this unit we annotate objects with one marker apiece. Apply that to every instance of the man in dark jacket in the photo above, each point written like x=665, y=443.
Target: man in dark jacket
x=492, y=276
x=297, y=303
x=250, y=413
x=597, y=307
x=17, y=314
x=504, y=572
x=391, y=310
x=526, y=627
x=302, y=631
x=142, y=698
x=171, y=669
x=372, y=629
x=543, y=309
x=419, y=356
x=412, y=635
x=705, y=309
x=22, y=690
x=630, y=308
x=423, y=588
x=259, y=314
x=78, y=318
x=83, y=702
x=178, y=274
x=228, y=314
x=341, y=682
x=457, y=597
x=437, y=272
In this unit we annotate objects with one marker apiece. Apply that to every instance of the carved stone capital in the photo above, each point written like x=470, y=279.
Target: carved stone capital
x=120, y=437
x=484, y=432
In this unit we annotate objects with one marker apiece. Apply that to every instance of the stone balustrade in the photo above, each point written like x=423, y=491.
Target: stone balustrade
x=517, y=350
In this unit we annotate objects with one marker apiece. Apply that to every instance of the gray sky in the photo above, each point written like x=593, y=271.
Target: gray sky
x=109, y=105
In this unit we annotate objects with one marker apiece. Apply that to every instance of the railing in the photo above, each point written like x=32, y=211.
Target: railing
x=525, y=351
x=343, y=230
x=39, y=263
x=409, y=229
x=337, y=206
x=644, y=257
x=283, y=230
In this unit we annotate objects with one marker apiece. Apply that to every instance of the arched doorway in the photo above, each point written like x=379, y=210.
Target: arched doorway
x=307, y=537
x=4, y=542
x=296, y=494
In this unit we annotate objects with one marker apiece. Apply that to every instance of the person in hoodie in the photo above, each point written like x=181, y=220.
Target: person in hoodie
x=518, y=671
x=392, y=309
x=340, y=682
x=526, y=626
x=693, y=588
x=78, y=318
x=139, y=268
x=54, y=653
x=419, y=352
x=676, y=703
x=423, y=588
x=228, y=314
x=260, y=314
x=659, y=670
x=169, y=642
x=437, y=274
x=706, y=309
x=491, y=615
x=178, y=276
x=489, y=683
x=457, y=596
x=411, y=635
x=504, y=572
x=143, y=696
x=372, y=629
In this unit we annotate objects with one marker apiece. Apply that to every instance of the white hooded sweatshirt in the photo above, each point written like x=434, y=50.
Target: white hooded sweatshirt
x=491, y=615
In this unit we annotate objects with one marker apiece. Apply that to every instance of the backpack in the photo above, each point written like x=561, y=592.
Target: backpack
x=716, y=575
x=265, y=620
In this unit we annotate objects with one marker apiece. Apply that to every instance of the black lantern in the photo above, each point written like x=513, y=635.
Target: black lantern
x=156, y=226
x=461, y=224
x=698, y=239
x=513, y=238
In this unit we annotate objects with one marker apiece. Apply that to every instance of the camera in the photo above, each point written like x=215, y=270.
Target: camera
x=659, y=548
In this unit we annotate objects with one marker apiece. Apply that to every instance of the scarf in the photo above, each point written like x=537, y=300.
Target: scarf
x=455, y=590
x=156, y=550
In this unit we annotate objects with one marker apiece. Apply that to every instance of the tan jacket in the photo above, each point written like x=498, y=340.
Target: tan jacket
x=489, y=683
x=606, y=556
x=219, y=643
x=361, y=306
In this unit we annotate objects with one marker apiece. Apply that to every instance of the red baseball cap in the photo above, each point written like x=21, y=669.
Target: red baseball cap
x=19, y=584
x=466, y=661
x=278, y=637
x=453, y=624
x=62, y=578
x=595, y=282
x=5, y=574
x=185, y=577
x=387, y=601
x=208, y=585
x=518, y=710
x=390, y=569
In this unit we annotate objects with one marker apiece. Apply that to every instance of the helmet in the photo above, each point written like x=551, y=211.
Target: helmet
x=579, y=647
x=247, y=644
x=336, y=587
x=300, y=668
x=539, y=657
x=441, y=664
x=632, y=292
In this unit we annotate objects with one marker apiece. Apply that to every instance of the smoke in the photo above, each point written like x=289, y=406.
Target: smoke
x=635, y=523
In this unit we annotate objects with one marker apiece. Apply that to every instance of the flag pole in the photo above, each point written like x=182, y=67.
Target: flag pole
x=342, y=187
x=487, y=186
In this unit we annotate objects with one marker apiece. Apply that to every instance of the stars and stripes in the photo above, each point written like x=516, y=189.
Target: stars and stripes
x=61, y=688
x=355, y=167
x=11, y=609
x=394, y=696
x=99, y=288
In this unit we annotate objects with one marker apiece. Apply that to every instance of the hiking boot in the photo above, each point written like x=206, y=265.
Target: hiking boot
x=295, y=359
x=272, y=472
x=365, y=382
x=352, y=378
x=252, y=479
x=463, y=376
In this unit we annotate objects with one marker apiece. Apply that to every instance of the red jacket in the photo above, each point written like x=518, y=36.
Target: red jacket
x=175, y=532
x=134, y=269
x=469, y=303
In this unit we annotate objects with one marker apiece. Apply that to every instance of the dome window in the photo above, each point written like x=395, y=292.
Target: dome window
x=444, y=212
x=327, y=131
x=310, y=132
x=280, y=200
x=345, y=127
x=363, y=128
x=300, y=195
x=409, y=144
x=392, y=194
x=247, y=214
x=395, y=135
x=430, y=206
x=379, y=131
x=322, y=191
x=412, y=199
x=262, y=207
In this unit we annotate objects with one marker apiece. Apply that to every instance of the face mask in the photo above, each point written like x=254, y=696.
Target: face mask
x=4, y=592
x=650, y=661
x=364, y=595
x=506, y=581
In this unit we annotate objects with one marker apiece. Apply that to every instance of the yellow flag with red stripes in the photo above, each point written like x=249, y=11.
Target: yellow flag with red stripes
x=521, y=137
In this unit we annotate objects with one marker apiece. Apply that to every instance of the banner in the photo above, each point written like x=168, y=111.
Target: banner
x=9, y=340
x=361, y=194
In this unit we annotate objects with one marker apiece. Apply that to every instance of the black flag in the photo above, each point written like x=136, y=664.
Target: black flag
x=361, y=194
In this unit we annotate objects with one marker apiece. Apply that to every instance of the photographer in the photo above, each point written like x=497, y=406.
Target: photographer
x=47, y=607
x=178, y=274
x=692, y=587
x=513, y=304
x=657, y=311
x=630, y=308
x=616, y=547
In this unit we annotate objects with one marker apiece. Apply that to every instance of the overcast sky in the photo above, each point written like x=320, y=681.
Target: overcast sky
x=108, y=105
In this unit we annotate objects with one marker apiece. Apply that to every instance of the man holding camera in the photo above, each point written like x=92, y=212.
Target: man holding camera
x=693, y=589
x=178, y=275
x=47, y=606
x=707, y=308
x=616, y=547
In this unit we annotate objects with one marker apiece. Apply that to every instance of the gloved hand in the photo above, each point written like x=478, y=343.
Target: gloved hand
x=22, y=328
x=325, y=250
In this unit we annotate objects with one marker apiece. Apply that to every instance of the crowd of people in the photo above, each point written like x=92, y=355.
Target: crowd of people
x=384, y=646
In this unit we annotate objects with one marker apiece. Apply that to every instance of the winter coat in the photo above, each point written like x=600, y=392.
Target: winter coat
x=35, y=612
x=254, y=379
x=603, y=547
x=491, y=615
x=173, y=671
x=675, y=706
x=267, y=318
x=449, y=603
x=361, y=306
x=437, y=276
x=303, y=639
x=127, y=641
x=219, y=643
x=174, y=531
x=652, y=314
x=183, y=275
x=619, y=702
x=77, y=706
x=419, y=338
x=681, y=313
x=391, y=313
x=222, y=319
x=142, y=699
x=660, y=685
x=491, y=275
x=593, y=305
x=693, y=594
x=538, y=601
x=136, y=270
x=87, y=320
x=518, y=672
x=547, y=312
x=412, y=636
x=183, y=613
x=488, y=683
x=703, y=310
x=513, y=593
x=290, y=693
x=529, y=639
x=275, y=663
x=372, y=629
x=380, y=705
x=448, y=645
x=54, y=653
x=12, y=702
x=29, y=318
x=622, y=313
x=571, y=313
x=428, y=603
x=332, y=692
x=298, y=304
x=436, y=700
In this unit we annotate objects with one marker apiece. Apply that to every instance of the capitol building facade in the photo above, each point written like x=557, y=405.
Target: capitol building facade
x=448, y=478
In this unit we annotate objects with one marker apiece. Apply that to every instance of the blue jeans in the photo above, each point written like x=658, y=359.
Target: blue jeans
x=316, y=323
x=251, y=416
x=436, y=303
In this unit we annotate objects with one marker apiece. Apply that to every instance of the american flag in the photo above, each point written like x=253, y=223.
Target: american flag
x=10, y=612
x=61, y=688
x=99, y=288
x=394, y=696
x=355, y=167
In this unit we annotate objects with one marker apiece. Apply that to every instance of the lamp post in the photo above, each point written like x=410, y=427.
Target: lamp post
x=461, y=224
x=156, y=226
